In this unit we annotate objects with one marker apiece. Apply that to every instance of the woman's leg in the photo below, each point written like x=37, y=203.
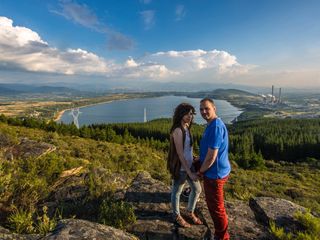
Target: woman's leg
x=177, y=187
x=194, y=194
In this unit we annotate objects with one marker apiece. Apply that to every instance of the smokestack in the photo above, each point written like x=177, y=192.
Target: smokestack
x=279, y=100
x=272, y=89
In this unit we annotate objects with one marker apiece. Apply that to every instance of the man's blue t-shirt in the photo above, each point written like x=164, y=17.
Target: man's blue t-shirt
x=215, y=136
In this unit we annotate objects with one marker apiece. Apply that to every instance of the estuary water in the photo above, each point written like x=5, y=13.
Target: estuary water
x=132, y=110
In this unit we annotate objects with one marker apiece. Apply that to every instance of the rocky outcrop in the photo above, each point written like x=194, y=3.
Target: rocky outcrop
x=5, y=140
x=242, y=223
x=151, y=201
x=5, y=234
x=279, y=211
x=69, y=229
x=28, y=148
x=71, y=191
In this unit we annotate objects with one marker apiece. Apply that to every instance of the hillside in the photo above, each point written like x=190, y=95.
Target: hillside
x=74, y=175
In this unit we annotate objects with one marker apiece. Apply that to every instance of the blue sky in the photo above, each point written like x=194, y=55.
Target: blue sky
x=247, y=42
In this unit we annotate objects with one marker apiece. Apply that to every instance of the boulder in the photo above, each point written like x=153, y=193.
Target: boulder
x=5, y=234
x=279, y=211
x=242, y=223
x=5, y=140
x=71, y=192
x=69, y=229
x=28, y=148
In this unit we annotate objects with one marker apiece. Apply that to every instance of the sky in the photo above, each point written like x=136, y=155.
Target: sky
x=241, y=42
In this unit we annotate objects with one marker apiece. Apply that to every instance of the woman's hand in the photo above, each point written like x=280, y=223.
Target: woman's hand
x=196, y=158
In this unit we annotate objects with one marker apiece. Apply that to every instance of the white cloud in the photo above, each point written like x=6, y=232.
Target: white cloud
x=180, y=12
x=134, y=69
x=182, y=64
x=19, y=37
x=24, y=48
x=195, y=60
x=130, y=63
x=148, y=18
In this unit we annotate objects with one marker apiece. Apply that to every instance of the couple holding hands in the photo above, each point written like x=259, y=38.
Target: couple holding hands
x=213, y=165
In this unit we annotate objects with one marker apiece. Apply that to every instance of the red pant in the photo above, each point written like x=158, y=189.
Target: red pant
x=213, y=189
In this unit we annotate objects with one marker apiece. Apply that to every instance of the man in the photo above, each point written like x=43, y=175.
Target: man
x=215, y=166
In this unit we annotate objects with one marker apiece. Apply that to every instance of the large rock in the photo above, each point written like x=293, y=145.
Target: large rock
x=279, y=211
x=5, y=234
x=71, y=229
x=242, y=223
x=151, y=201
x=28, y=148
x=5, y=140
x=71, y=192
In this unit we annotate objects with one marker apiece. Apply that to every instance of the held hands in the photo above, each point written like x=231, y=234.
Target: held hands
x=193, y=176
x=200, y=175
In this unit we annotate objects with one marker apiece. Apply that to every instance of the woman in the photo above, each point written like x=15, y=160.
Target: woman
x=180, y=164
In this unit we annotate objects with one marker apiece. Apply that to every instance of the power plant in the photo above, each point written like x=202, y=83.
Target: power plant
x=271, y=98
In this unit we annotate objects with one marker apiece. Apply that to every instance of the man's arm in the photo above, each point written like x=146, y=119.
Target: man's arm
x=209, y=160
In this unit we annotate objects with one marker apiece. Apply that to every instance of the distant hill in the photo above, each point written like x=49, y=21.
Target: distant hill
x=232, y=92
x=7, y=91
x=223, y=94
x=23, y=88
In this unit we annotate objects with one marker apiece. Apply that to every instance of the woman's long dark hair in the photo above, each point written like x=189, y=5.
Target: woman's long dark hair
x=181, y=110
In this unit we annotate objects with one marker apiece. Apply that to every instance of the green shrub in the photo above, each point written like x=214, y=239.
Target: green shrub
x=309, y=222
x=118, y=214
x=21, y=221
x=44, y=223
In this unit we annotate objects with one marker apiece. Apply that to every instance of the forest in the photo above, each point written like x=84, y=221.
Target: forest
x=251, y=142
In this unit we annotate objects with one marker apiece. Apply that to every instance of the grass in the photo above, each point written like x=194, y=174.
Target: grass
x=294, y=182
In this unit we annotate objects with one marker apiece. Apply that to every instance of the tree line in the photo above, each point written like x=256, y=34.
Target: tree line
x=251, y=142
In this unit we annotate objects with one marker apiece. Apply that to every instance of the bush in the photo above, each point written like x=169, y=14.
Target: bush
x=309, y=222
x=117, y=214
x=21, y=221
x=44, y=223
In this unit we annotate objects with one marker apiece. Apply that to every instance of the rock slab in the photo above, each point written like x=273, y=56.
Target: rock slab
x=151, y=201
x=71, y=229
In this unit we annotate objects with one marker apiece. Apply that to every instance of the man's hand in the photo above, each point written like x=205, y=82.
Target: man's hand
x=194, y=177
x=200, y=175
